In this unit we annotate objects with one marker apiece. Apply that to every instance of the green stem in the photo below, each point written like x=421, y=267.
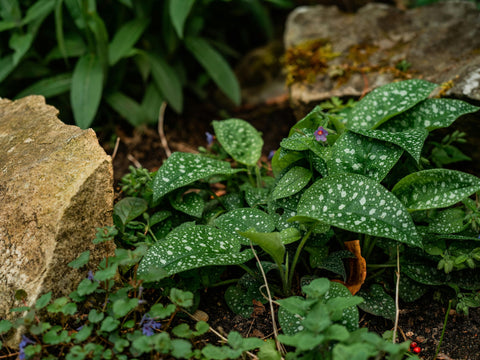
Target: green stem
x=444, y=327
x=259, y=176
x=297, y=255
x=248, y=270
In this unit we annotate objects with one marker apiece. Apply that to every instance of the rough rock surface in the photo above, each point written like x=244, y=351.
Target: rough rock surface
x=55, y=189
x=441, y=42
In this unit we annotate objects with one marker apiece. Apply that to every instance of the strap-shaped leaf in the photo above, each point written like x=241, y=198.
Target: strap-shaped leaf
x=435, y=188
x=193, y=247
x=240, y=140
x=357, y=154
x=357, y=203
x=125, y=38
x=87, y=86
x=216, y=66
x=128, y=108
x=411, y=140
x=49, y=87
x=387, y=101
x=430, y=114
x=38, y=11
x=291, y=183
x=182, y=169
x=167, y=81
x=178, y=11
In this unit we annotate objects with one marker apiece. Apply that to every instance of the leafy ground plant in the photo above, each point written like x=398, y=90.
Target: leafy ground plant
x=128, y=54
x=347, y=188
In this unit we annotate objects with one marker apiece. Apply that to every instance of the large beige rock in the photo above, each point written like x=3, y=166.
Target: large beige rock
x=55, y=189
x=440, y=42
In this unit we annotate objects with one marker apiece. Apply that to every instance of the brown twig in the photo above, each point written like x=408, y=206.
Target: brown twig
x=115, y=149
x=161, y=133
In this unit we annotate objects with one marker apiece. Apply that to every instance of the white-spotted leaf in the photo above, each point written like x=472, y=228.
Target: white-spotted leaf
x=240, y=140
x=350, y=315
x=182, y=169
x=358, y=154
x=191, y=204
x=435, y=188
x=244, y=219
x=192, y=247
x=291, y=183
x=387, y=101
x=411, y=140
x=357, y=203
x=430, y=114
x=450, y=221
x=377, y=302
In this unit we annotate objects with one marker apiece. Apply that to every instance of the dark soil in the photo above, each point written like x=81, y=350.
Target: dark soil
x=421, y=321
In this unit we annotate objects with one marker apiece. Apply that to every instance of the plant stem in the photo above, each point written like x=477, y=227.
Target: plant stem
x=397, y=286
x=444, y=327
x=297, y=255
x=270, y=301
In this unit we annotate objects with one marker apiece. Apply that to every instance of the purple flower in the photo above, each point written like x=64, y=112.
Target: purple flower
x=271, y=154
x=23, y=344
x=149, y=324
x=321, y=134
x=210, y=138
x=90, y=275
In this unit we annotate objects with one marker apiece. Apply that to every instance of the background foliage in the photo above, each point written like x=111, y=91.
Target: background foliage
x=131, y=55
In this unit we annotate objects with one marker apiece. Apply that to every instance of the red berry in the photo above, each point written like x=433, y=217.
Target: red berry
x=413, y=345
x=417, y=350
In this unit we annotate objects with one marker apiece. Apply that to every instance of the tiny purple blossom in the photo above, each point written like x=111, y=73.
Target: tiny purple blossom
x=23, y=344
x=321, y=134
x=210, y=138
x=90, y=275
x=148, y=325
x=271, y=154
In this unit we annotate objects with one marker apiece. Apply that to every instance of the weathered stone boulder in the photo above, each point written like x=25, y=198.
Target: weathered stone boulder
x=55, y=189
x=331, y=53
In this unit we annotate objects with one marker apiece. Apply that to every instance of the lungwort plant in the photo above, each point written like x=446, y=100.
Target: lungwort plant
x=359, y=175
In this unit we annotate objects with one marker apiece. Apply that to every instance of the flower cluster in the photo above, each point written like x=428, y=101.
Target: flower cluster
x=149, y=325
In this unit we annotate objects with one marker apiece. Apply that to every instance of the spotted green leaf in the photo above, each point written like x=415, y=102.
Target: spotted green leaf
x=358, y=154
x=387, y=101
x=190, y=203
x=239, y=301
x=349, y=315
x=240, y=140
x=297, y=141
x=449, y=221
x=357, y=203
x=429, y=114
x=334, y=262
x=377, y=302
x=291, y=183
x=182, y=169
x=192, y=247
x=424, y=274
x=312, y=121
x=283, y=158
x=435, y=188
x=244, y=219
x=410, y=290
x=411, y=140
